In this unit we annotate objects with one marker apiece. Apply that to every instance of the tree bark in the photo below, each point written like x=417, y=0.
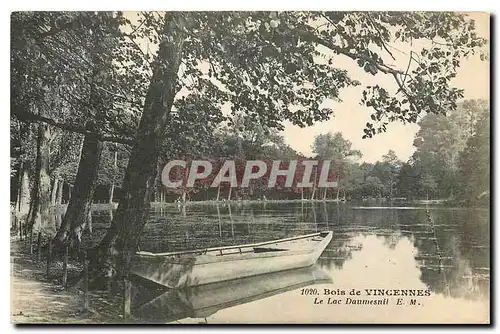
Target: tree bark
x=158, y=183
x=89, y=219
x=58, y=212
x=53, y=195
x=24, y=193
x=120, y=242
x=19, y=180
x=110, y=214
x=111, y=193
x=39, y=213
x=79, y=206
x=60, y=192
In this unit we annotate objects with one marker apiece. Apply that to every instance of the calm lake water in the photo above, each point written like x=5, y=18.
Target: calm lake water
x=372, y=247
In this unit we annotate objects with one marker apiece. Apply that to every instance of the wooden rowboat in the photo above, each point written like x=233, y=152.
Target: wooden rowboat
x=205, y=266
x=205, y=300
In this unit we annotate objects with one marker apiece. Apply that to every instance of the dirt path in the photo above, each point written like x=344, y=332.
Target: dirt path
x=38, y=299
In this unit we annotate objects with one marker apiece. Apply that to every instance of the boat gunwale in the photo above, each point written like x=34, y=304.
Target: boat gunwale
x=220, y=249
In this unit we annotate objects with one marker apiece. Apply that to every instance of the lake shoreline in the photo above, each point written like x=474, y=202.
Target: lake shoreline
x=388, y=204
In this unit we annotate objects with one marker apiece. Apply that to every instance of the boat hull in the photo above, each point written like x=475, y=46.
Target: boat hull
x=199, y=269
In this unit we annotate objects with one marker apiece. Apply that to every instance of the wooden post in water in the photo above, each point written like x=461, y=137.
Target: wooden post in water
x=326, y=212
x=85, y=281
x=127, y=287
x=39, y=247
x=21, y=230
x=65, y=267
x=49, y=257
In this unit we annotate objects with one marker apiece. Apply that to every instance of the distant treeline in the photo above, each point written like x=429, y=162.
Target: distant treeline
x=451, y=161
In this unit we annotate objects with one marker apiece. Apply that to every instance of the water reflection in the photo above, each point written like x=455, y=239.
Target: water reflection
x=204, y=301
x=368, y=263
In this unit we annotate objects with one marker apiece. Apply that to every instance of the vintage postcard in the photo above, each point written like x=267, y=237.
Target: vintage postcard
x=250, y=167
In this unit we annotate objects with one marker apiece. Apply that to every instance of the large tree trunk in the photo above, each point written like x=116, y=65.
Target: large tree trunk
x=59, y=213
x=60, y=192
x=77, y=213
x=121, y=241
x=23, y=198
x=158, y=183
x=19, y=179
x=38, y=216
x=24, y=201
